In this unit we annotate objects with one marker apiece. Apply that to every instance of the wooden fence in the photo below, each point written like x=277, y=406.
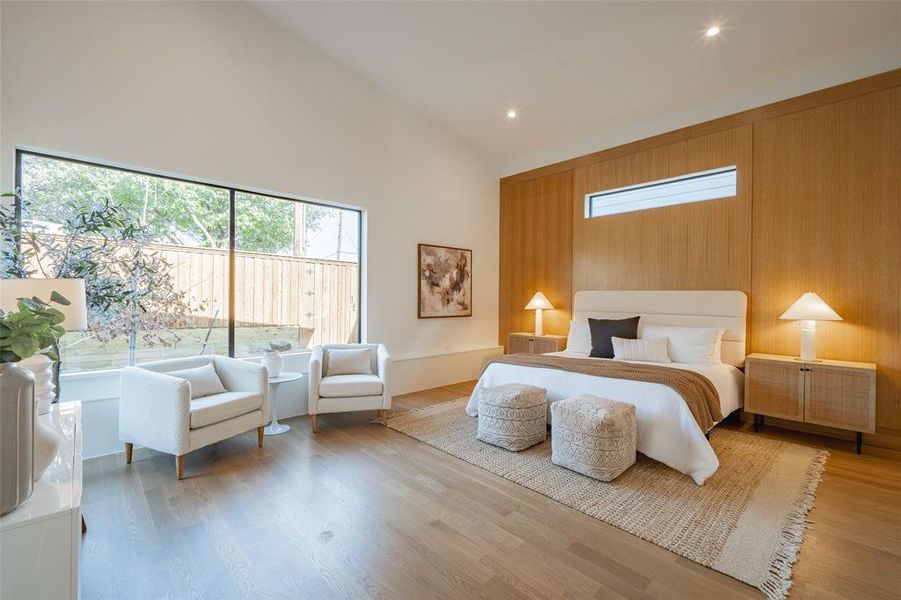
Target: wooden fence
x=320, y=296
x=318, y=300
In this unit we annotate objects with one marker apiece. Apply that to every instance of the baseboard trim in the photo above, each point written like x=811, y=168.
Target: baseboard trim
x=427, y=372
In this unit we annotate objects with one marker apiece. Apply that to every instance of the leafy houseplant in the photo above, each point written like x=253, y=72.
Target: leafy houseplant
x=34, y=328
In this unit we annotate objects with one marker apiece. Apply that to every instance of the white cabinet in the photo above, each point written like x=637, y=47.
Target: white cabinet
x=41, y=538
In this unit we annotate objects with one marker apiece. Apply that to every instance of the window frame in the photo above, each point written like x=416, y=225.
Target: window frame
x=232, y=191
x=590, y=197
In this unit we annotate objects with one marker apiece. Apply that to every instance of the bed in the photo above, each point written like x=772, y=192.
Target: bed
x=667, y=431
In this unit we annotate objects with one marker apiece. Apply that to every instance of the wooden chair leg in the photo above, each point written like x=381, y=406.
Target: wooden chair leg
x=180, y=466
x=383, y=416
x=260, y=437
x=315, y=423
x=129, y=448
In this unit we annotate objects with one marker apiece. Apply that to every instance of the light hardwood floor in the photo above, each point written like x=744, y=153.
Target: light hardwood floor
x=360, y=511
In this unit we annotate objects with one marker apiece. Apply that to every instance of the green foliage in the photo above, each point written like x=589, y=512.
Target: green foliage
x=169, y=211
x=273, y=234
x=35, y=327
x=12, y=260
x=128, y=288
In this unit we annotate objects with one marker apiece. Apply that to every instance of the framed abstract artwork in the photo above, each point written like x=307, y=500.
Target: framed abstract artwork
x=445, y=282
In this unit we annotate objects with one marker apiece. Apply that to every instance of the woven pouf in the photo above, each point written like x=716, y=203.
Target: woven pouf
x=512, y=416
x=593, y=436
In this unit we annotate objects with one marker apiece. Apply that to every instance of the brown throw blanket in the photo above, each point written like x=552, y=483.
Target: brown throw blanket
x=699, y=393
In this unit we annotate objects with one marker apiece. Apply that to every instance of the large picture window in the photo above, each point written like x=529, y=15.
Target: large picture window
x=179, y=268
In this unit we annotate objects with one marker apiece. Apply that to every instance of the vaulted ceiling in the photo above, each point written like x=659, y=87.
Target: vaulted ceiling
x=584, y=76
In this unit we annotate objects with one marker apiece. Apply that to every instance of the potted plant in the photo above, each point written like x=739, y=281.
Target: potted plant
x=34, y=328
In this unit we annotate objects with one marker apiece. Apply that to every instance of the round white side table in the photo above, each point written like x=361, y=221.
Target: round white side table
x=275, y=428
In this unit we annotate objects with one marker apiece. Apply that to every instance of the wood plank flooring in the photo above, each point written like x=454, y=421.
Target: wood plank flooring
x=360, y=511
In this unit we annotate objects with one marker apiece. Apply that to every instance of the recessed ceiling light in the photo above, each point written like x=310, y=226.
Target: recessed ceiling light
x=713, y=31
x=511, y=114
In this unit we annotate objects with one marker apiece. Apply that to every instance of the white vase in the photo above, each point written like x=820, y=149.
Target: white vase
x=273, y=362
x=16, y=436
x=46, y=444
x=42, y=369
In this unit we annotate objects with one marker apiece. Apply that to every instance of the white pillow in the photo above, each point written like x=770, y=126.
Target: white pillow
x=203, y=380
x=352, y=361
x=652, y=350
x=696, y=345
x=579, y=338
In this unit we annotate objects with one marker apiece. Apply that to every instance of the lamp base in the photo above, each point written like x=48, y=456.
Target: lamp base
x=808, y=341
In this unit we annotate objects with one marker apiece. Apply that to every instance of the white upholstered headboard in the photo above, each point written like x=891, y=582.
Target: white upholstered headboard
x=726, y=309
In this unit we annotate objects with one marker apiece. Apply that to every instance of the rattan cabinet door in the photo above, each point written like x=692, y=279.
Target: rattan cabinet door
x=840, y=397
x=544, y=345
x=518, y=344
x=775, y=389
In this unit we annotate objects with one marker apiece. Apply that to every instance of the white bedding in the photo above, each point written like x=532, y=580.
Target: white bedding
x=667, y=431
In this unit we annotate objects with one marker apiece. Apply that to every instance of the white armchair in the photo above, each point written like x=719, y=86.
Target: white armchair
x=156, y=409
x=345, y=393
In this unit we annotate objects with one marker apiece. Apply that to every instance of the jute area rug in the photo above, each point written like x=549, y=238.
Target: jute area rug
x=746, y=521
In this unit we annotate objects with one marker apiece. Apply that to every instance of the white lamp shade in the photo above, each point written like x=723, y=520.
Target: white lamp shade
x=71, y=289
x=810, y=307
x=539, y=301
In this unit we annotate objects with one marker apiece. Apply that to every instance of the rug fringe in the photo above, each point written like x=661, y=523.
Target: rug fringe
x=779, y=580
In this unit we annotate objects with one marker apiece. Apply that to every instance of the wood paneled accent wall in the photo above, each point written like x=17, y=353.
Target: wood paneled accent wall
x=703, y=245
x=536, y=252
x=827, y=218
x=818, y=207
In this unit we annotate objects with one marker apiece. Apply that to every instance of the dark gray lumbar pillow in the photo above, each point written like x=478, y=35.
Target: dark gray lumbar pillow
x=604, y=329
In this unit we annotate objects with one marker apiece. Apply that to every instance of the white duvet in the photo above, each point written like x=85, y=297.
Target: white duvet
x=667, y=431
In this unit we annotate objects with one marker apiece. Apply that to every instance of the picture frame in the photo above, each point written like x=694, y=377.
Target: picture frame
x=444, y=282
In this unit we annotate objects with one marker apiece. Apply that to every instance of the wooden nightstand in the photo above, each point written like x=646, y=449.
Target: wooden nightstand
x=834, y=393
x=529, y=343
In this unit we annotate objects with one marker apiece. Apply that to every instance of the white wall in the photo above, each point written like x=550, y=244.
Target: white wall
x=215, y=91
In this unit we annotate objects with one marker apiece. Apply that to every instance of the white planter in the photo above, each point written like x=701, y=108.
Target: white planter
x=273, y=362
x=17, y=432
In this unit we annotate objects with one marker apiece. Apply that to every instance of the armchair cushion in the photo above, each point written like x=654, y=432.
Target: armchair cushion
x=348, y=386
x=203, y=380
x=349, y=361
x=221, y=407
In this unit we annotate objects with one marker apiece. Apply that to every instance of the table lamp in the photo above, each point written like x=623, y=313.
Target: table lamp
x=808, y=309
x=76, y=313
x=539, y=303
